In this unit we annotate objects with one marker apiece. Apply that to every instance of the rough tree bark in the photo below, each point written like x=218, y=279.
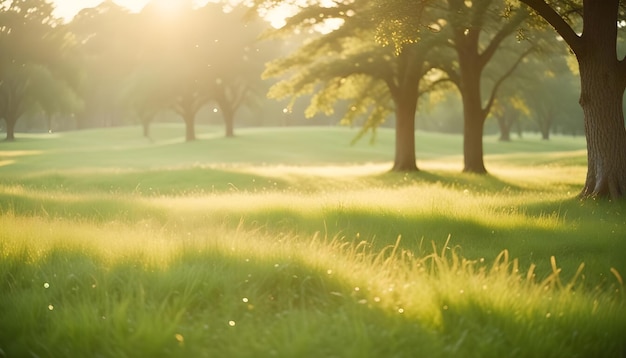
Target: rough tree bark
x=603, y=80
x=602, y=88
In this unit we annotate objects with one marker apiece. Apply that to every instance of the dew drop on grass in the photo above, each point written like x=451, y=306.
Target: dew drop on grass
x=231, y=323
x=46, y=285
x=400, y=310
x=245, y=300
x=50, y=307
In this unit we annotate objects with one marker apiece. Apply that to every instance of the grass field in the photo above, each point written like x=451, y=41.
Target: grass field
x=291, y=242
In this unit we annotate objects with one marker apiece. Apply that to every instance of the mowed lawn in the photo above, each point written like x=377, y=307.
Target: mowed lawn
x=290, y=242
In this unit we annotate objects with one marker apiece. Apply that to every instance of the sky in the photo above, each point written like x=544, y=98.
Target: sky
x=68, y=8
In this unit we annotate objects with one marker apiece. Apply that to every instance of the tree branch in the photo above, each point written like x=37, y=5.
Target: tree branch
x=557, y=22
x=504, y=32
x=506, y=75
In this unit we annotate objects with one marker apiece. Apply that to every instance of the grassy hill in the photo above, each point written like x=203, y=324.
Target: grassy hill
x=292, y=242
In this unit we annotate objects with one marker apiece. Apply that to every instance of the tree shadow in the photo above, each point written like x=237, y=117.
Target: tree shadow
x=486, y=183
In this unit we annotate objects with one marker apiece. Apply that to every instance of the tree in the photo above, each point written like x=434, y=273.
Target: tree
x=603, y=80
x=477, y=30
x=347, y=64
x=507, y=111
x=541, y=93
x=30, y=41
x=106, y=38
x=549, y=100
x=145, y=95
x=197, y=56
x=238, y=67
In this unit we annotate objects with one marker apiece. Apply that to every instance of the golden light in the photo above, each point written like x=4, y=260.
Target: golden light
x=277, y=15
x=169, y=8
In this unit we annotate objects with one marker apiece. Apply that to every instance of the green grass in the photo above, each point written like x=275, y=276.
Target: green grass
x=292, y=243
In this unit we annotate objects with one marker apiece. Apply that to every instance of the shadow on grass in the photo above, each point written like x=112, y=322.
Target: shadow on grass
x=451, y=179
x=563, y=230
x=175, y=181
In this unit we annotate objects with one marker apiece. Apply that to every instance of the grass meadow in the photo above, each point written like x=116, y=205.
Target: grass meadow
x=291, y=242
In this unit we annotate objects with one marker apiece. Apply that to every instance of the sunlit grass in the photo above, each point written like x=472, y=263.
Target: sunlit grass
x=74, y=287
x=131, y=248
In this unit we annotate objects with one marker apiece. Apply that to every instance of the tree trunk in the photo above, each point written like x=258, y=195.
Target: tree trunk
x=505, y=128
x=10, y=121
x=190, y=127
x=602, y=88
x=404, y=160
x=474, y=116
x=474, y=120
x=601, y=100
x=473, y=147
x=229, y=123
x=146, y=128
x=230, y=127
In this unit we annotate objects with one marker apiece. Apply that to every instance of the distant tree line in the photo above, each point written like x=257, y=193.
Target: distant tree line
x=109, y=66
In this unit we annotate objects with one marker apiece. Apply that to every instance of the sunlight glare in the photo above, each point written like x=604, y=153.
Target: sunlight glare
x=169, y=7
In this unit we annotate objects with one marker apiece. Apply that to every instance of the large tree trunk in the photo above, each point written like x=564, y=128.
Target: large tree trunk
x=474, y=121
x=606, y=137
x=602, y=88
x=404, y=160
x=470, y=70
